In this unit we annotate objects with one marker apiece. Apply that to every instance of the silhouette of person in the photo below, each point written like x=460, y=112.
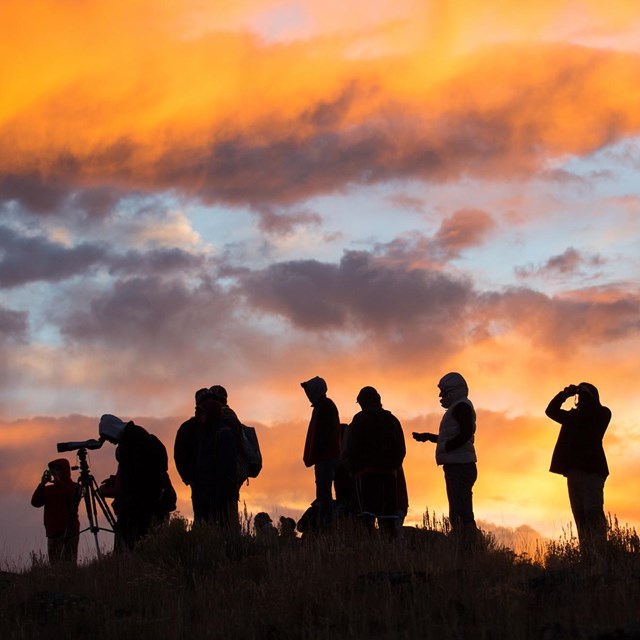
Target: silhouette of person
x=344, y=485
x=455, y=451
x=141, y=476
x=56, y=492
x=373, y=452
x=322, y=445
x=205, y=453
x=265, y=532
x=579, y=456
x=287, y=529
x=186, y=443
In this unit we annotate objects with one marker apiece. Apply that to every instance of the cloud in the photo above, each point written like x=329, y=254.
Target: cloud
x=464, y=229
x=135, y=109
x=570, y=263
x=40, y=195
x=35, y=258
x=152, y=313
x=272, y=222
x=358, y=291
x=26, y=259
x=13, y=324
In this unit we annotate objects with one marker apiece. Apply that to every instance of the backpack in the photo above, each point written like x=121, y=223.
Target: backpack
x=249, y=462
x=167, y=501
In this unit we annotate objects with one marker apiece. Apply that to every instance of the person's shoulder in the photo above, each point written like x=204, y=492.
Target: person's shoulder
x=327, y=403
x=187, y=425
x=605, y=412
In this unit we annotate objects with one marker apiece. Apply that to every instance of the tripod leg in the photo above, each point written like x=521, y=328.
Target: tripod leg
x=93, y=516
x=69, y=546
x=106, y=510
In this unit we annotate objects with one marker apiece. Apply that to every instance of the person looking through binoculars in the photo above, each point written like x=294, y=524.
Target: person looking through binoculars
x=56, y=493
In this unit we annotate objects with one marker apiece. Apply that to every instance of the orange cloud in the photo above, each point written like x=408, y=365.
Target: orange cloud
x=98, y=97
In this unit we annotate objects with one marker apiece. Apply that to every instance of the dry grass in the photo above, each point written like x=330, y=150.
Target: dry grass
x=198, y=583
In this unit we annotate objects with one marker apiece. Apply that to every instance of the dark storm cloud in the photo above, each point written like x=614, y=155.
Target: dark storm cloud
x=569, y=263
x=26, y=259
x=360, y=290
x=417, y=307
x=155, y=261
x=149, y=313
x=34, y=194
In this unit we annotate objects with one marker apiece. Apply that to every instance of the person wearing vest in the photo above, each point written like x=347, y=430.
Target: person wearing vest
x=455, y=450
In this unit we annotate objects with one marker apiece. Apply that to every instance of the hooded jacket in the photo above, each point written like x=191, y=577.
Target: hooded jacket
x=323, y=435
x=458, y=424
x=58, y=501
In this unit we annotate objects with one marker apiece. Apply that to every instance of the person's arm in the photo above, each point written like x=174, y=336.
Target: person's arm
x=38, y=497
x=425, y=436
x=181, y=454
x=462, y=413
x=350, y=435
x=226, y=458
x=554, y=409
x=328, y=426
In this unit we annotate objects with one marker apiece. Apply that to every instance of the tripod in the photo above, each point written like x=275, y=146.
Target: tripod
x=89, y=492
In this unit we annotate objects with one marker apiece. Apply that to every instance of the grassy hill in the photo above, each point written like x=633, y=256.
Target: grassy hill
x=184, y=583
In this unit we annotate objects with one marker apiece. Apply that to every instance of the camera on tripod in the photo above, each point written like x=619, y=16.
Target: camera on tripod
x=85, y=444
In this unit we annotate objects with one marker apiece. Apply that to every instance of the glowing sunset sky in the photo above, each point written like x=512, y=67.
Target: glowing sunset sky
x=253, y=192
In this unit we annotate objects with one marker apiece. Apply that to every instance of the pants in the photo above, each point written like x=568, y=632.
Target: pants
x=586, y=495
x=133, y=524
x=61, y=550
x=459, y=479
x=325, y=473
x=207, y=508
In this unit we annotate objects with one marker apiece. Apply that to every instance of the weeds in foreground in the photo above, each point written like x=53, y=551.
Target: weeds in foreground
x=198, y=582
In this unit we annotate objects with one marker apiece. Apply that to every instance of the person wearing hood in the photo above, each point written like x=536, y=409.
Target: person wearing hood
x=322, y=445
x=142, y=477
x=373, y=452
x=205, y=453
x=57, y=493
x=455, y=450
x=579, y=456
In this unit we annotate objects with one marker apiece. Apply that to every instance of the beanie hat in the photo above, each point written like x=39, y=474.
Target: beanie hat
x=203, y=394
x=111, y=427
x=219, y=392
x=368, y=395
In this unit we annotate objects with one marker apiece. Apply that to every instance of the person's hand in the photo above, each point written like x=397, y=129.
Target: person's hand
x=46, y=477
x=571, y=390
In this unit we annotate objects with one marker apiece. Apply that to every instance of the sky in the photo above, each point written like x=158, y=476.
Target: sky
x=255, y=192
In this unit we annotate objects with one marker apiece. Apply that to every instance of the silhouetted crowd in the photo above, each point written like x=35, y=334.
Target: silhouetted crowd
x=357, y=467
